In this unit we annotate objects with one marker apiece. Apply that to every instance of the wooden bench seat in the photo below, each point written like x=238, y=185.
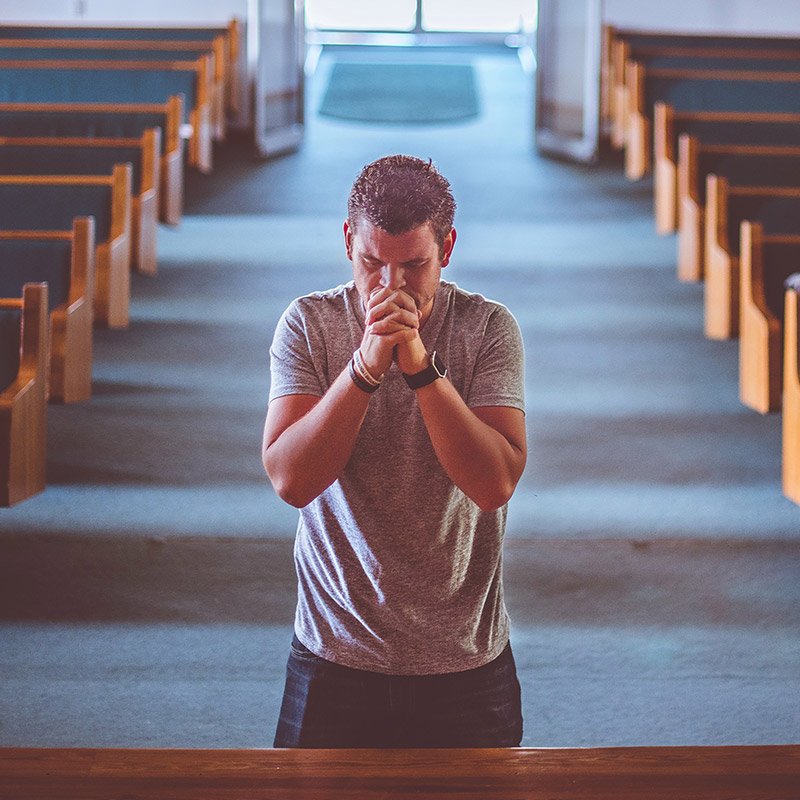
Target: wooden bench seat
x=201, y=56
x=791, y=392
x=620, y=773
x=708, y=127
x=89, y=156
x=51, y=202
x=660, y=49
x=92, y=81
x=741, y=165
x=23, y=403
x=64, y=260
x=113, y=121
x=225, y=41
x=726, y=207
x=733, y=90
x=620, y=45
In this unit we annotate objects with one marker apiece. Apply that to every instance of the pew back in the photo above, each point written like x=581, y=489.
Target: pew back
x=50, y=202
x=112, y=121
x=65, y=261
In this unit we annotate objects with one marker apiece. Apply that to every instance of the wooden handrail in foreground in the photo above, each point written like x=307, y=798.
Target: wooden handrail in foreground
x=626, y=773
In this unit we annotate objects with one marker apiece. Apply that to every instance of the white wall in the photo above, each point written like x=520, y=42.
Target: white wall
x=164, y=12
x=769, y=17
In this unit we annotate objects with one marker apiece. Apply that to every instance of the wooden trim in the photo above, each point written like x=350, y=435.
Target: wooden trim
x=782, y=76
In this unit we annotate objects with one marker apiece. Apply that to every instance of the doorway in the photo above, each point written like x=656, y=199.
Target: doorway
x=420, y=16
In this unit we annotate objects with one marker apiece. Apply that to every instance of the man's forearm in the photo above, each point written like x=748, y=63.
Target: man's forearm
x=306, y=456
x=484, y=461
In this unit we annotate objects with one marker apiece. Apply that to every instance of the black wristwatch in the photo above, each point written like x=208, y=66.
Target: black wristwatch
x=432, y=372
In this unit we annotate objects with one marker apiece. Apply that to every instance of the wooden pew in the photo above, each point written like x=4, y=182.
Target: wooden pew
x=650, y=47
x=65, y=261
x=767, y=259
x=89, y=156
x=51, y=202
x=619, y=773
x=726, y=207
x=741, y=165
x=791, y=392
x=709, y=127
x=693, y=90
x=201, y=56
x=225, y=42
x=110, y=120
x=91, y=81
x=23, y=403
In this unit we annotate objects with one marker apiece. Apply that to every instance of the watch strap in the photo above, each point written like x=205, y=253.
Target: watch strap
x=432, y=372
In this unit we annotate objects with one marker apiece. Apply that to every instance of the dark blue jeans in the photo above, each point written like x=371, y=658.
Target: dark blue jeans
x=328, y=705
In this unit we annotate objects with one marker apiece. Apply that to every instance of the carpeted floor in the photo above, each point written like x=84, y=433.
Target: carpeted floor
x=653, y=565
x=405, y=93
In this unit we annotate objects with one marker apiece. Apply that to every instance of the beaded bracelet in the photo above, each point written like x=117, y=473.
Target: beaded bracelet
x=359, y=381
x=361, y=369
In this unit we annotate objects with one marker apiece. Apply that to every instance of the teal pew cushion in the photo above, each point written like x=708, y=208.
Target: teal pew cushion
x=181, y=34
x=35, y=261
x=47, y=160
x=704, y=94
x=65, y=85
x=51, y=207
x=82, y=123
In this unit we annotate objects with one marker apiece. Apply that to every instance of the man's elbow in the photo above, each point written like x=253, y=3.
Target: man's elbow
x=289, y=490
x=490, y=498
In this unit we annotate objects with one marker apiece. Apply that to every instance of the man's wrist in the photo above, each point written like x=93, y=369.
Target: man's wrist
x=361, y=376
x=435, y=370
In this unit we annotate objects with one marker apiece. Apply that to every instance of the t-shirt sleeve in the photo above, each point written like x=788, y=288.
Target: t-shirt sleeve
x=292, y=368
x=499, y=375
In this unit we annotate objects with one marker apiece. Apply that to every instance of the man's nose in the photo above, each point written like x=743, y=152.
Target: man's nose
x=392, y=277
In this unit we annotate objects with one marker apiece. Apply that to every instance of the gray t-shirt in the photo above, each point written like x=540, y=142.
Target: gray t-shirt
x=399, y=571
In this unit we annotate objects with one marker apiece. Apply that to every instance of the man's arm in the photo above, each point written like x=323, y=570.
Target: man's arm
x=308, y=440
x=483, y=450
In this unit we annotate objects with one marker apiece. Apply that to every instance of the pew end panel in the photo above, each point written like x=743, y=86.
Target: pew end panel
x=721, y=268
x=691, y=213
x=790, y=457
x=665, y=173
x=145, y=206
x=113, y=270
x=760, y=331
x=23, y=403
x=171, y=170
x=638, y=125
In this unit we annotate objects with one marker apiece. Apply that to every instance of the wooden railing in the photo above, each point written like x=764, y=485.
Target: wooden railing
x=627, y=773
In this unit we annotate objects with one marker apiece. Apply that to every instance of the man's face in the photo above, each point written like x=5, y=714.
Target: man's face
x=411, y=262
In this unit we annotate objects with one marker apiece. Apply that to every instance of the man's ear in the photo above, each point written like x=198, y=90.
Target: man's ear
x=447, y=247
x=348, y=239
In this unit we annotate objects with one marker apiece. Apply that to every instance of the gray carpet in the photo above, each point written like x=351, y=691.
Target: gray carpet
x=405, y=93
x=652, y=562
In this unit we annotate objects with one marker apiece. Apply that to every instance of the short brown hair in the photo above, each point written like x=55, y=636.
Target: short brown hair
x=399, y=193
